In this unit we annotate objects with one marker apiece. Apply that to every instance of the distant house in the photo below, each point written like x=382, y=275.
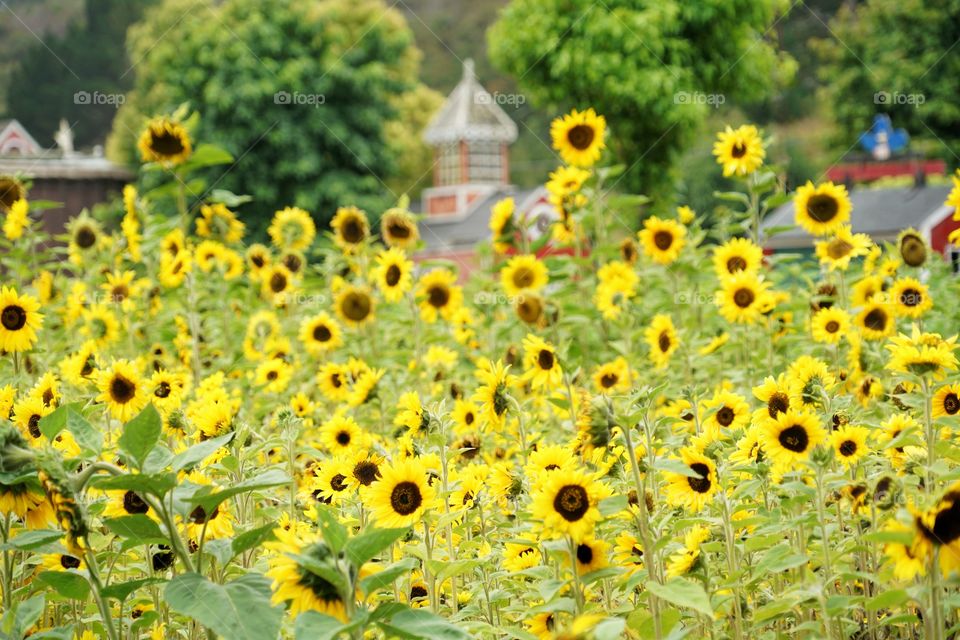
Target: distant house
x=77, y=180
x=471, y=135
x=881, y=213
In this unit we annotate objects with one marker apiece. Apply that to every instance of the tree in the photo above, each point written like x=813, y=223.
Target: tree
x=299, y=92
x=80, y=76
x=654, y=69
x=897, y=57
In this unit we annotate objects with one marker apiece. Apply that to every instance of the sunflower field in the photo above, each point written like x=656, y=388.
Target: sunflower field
x=597, y=433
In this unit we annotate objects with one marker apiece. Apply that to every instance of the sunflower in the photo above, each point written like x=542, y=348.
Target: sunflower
x=439, y=295
x=542, y=364
x=351, y=228
x=912, y=247
x=523, y=274
x=591, y=554
x=80, y=367
x=823, y=209
x=738, y=254
x=695, y=490
x=518, y=556
x=662, y=239
x=86, y=238
x=531, y=308
x=398, y=228
x=127, y=503
x=27, y=414
x=850, y=444
x=829, y=325
x=174, y=270
x=61, y=562
x=354, y=305
x=612, y=377
x=17, y=220
x=19, y=320
x=392, y=274
x=875, y=320
x=907, y=563
x=502, y=225
x=329, y=484
x=122, y=389
x=661, y=337
x=273, y=375
x=258, y=258
x=364, y=386
x=789, y=438
x=341, y=435
x=164, y=141
x=320, y=334
x=167, y=389
x=845, y=245
x=401, y=495
x=808, y=379
x=363, y=469
x=742, y=297
x=728, y=412
x=492, y=395
x=293, y=229
x=922, y=354
x=297, y=584
x=578, y=136
x=218, y=222
x=910, y=298
x=100, y=325
x=11, y=191
x=946, y=401
x=685, y=560
x=213, y=419
x=939, y=527
x=277, y=283
x=867, y=389
x=566, y=503
x=740, y=151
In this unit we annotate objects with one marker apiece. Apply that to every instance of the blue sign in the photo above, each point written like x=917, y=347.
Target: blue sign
x=882, y=139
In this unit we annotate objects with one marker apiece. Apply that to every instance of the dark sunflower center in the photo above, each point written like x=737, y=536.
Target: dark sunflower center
x=343, y=438
x=293, y=262
x=913, y=250
x=356, y=306
x=366, y=472
x=584, y=553
x=10, y=192
x=272, y=375
x=581, y=136
x=663, y=240
x=258, y=260
x=608, y=380
x=406, y=498
x=951, y=404
x=530, y=310
x=321, y=333
x=794, y=438
x=133, y=503
x=122, y=390
x=701, y=484
x=738, y=150
x=875, y=320
x=438, y=296
x=166, y=143
x=469, y=418
x=664, y=342
x=399, y=230
x=162, y=390
x=571, y=502
x=911, y=297
x=33, y=426
x=69, y=562
x=725, y=416
x=523, y=278
x=199, y=515
x=847, y=448
x=545, y=359
x=823, y=207
x=832, y=327
x=946, y=526
x=392, y=276
x=321, y=588
x=352, y=231
x=13, y=317
x=744, y=297
x=337, y=482
x=85, y=237
x=278, y=282
x=736, y=263
x=839, y=249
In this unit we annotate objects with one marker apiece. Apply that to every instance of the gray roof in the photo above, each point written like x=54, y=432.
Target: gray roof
x=474, y=226
x=470, y=113
x=880, y=213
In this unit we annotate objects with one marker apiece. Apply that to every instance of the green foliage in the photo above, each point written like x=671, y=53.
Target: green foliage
x=643, y=66
x=305, y=89
x=896, y=57
x=239, y=609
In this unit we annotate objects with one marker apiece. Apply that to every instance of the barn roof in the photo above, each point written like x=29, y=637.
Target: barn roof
x=470, y=113
x=467, y=230
x=880, y=213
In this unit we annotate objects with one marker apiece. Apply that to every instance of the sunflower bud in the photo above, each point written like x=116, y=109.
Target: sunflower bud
x=62, y=498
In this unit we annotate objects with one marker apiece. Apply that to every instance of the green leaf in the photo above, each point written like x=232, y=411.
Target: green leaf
x=55, y=422
x=387, y=576
x=888, y=600
x=364, y=547
x=156, y=484
x=334, y=533
x=23, y=615
x=68, y=417
x=186, y=460
x=66, y=583
x=312, y=625
x=205, y=155
x=228, y=198
x=420, y=623
x=267, y=479
x=642, y=622
x=675, y=466
x=252, y=538
x=33, y=539
x=239, y=610
x=137, y=526
x=122, y=590
x=682, y=593
x=141, y=434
